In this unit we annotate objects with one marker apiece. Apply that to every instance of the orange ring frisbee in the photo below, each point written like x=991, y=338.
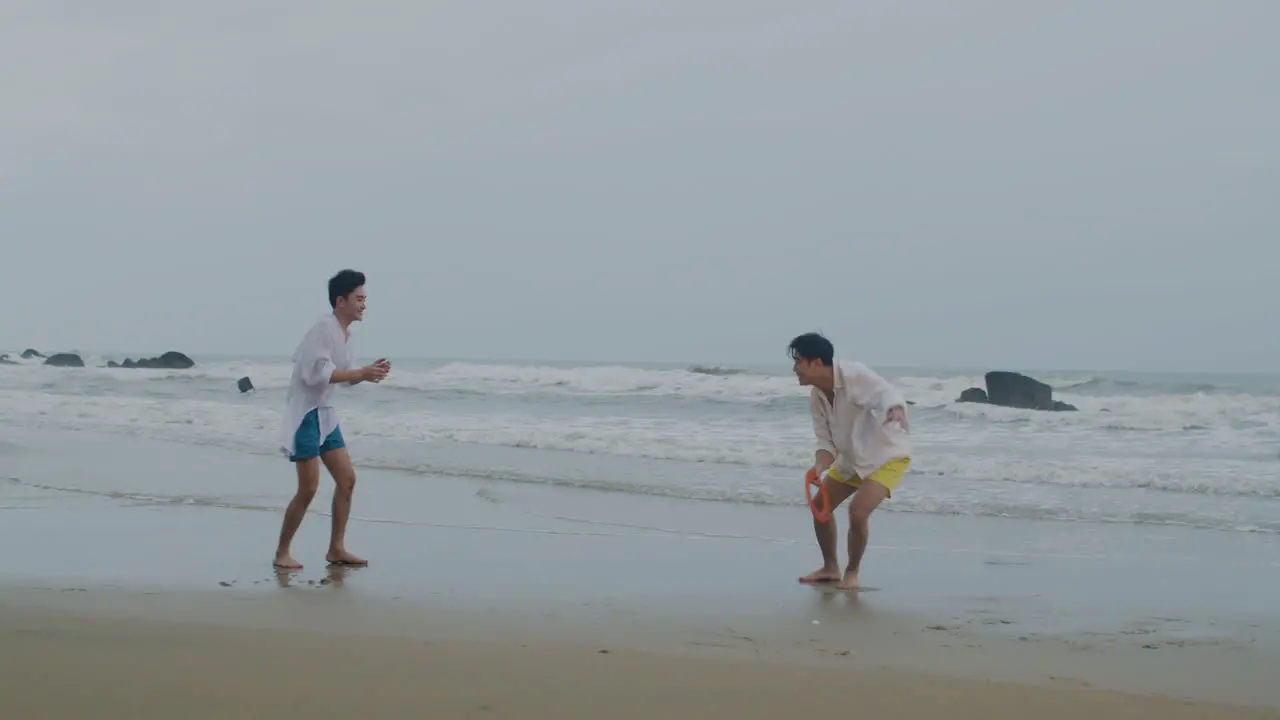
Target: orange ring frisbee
x=810, y=479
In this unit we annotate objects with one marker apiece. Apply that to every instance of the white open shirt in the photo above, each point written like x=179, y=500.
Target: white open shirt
x=323, y=350
x=852, y=428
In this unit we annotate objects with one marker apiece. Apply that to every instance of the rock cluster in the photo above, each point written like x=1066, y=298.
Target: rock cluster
x=1014, y=390
x=171, y=360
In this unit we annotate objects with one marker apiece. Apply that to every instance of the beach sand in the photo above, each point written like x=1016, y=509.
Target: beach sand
x=63, y=665
x=138, y=584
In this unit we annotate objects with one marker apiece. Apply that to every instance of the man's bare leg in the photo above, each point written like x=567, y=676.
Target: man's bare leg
x=338, y=462
x=308, y=482
x=865, y=502
x=825, y=531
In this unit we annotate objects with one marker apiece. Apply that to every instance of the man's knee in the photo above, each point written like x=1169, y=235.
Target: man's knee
x=308, y=478
x=860, y=515
x=338, y=463
x=306, y=492
x=344, y=477
x=859, y=519
x=307, y=487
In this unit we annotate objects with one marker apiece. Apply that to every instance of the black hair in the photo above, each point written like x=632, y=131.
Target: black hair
x=343, y=284
x=812, y=346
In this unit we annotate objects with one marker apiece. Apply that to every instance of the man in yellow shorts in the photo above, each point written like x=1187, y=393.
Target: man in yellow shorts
x=860, y=422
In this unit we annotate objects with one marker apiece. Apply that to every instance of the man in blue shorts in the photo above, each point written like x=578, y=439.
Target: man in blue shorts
x=310, y=434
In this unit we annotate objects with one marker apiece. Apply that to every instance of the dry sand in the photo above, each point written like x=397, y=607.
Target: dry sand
x=60, y=664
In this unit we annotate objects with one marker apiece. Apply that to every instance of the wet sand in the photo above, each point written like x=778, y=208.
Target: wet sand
x=143, y=588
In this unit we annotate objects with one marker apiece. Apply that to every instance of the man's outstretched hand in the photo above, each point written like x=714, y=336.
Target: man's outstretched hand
x=897, y=414
x=376, y=372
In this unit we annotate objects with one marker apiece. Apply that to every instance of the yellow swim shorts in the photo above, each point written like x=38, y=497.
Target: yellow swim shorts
x=888, y=474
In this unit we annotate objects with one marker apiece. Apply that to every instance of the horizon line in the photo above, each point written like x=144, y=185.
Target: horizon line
x=781, y=364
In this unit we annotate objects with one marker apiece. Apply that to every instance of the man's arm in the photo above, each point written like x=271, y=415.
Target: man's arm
x=826, y=452
x=354, y=376
x=369, y=373
x=869, y=389
x=315, y=360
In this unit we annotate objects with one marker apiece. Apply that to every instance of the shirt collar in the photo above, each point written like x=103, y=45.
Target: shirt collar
x=333, y=320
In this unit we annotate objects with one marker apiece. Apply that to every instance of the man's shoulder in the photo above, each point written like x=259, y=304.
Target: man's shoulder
x=857, y=377
x=854, y=368
x=320, y=332
x=322, y=325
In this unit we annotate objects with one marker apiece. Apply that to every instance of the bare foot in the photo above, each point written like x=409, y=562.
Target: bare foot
x=821, y=575
x=342, y=557
x=850, y=581
x=285, y=561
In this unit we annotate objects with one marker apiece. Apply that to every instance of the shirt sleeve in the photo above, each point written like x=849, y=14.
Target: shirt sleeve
x=315, y=357
x=868, y=389
x=821, y=428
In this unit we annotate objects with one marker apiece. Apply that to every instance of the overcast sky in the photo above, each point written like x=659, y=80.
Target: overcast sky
x=1091, y=184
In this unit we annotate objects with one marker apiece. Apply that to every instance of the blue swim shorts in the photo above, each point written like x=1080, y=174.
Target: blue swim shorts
x=306, y=441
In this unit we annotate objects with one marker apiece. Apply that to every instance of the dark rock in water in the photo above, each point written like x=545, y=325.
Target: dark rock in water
x=713, y=370
x=4, y=360
x=245, y=384
x=177, y=360
x=31, y=353
x=171, y=360
x=1015, y=390
x=64, y=360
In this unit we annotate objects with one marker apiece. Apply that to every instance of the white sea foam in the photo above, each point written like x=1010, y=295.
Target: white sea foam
x=603, y=380
x=780, y=442
x=483, y=379
x=1137, y=411
x=1205, y=454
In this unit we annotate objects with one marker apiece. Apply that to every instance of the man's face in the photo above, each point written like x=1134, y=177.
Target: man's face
x=351, y=306
x=807, y=370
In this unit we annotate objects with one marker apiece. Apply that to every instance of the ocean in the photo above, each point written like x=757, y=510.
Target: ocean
x=1143, y=449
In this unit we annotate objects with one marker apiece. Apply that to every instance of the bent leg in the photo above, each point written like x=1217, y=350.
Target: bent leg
x=825, y=531
x=865, y=502
x=338, y=463
x=308, y=482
